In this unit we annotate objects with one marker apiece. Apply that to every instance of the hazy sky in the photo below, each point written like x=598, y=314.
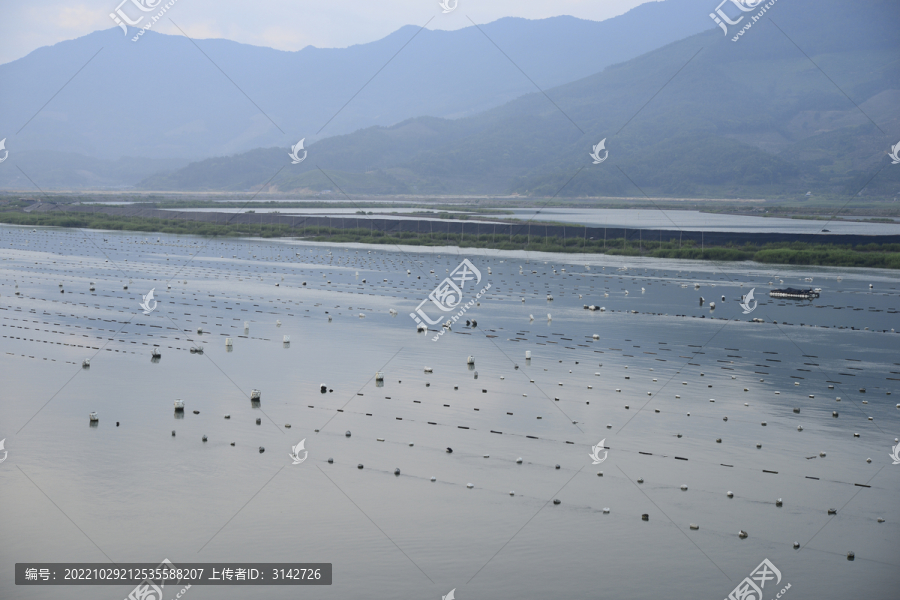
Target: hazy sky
x=282, y=24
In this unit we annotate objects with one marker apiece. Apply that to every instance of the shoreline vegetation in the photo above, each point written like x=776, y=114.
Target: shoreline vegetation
x=882, y=256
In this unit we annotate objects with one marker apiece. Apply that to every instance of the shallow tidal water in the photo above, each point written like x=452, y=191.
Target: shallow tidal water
x=655, y=388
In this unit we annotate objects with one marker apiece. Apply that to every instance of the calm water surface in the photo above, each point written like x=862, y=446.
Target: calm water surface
x=656, y=384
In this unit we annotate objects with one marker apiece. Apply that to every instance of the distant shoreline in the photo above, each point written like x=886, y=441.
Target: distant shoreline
x=768, y=248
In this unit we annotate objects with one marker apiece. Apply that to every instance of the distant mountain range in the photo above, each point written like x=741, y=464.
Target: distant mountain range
x=167, y=96
x=814, y=105
x=807, y=99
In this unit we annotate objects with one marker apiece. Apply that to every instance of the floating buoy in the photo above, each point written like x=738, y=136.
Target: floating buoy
x=796, y=545
x=261, y=449
x=519, y=461
x=729, y=494
x=396, y=471
x=433, y=478
x=359, y=466
x=323, y=388
x=173, y=433
x=348, y=433
x=330, y=460
x=204, y=438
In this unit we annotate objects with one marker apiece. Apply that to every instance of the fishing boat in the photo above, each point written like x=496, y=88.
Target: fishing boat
x=793, y=293
x=179, y=405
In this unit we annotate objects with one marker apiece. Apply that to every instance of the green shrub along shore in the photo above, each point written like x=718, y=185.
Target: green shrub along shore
x=883, y=256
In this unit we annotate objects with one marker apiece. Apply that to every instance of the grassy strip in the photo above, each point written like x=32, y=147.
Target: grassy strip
x=884, y=256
